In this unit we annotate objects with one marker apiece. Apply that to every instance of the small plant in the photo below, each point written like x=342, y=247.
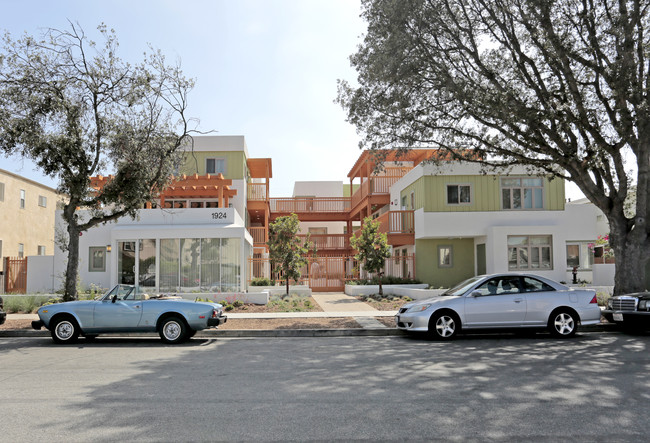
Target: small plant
x=238, y=304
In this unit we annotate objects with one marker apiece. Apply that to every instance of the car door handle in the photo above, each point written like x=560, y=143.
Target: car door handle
x=137, y=306
x=518, y=300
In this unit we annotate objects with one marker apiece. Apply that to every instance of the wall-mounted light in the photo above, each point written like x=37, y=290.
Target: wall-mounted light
x=108, y=248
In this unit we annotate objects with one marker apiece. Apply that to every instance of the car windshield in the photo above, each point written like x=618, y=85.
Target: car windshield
x=123, y=292
x=461, y=287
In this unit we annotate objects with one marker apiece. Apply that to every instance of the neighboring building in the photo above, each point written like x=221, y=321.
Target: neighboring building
x=27, y=213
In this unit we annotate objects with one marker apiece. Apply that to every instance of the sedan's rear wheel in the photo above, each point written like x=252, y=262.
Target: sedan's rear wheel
x=444, y=326
x=173, y=330
x=563, y=323
x=64, y=330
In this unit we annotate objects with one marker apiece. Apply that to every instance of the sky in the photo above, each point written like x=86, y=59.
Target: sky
x=264, y=69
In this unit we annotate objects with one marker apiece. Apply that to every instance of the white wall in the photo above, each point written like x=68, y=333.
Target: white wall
x=318, y=188
x=40, y=274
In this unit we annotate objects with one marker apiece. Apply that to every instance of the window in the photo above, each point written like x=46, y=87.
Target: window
x=215, y=165
x=22, y=199
x=522, y=193
x=534, y=285
x=21, y=250
x=578, y=254
x=527, y=252
x=459, y=194
x=445, y=258
x=97, y=259
x=42, y=201
x=499, y=286
x=2, y=192
x=41, y=250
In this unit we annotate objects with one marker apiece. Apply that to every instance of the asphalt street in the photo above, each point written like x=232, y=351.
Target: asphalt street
x=594, y=387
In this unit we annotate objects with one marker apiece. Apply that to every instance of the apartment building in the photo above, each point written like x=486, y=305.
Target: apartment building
x=27, y=213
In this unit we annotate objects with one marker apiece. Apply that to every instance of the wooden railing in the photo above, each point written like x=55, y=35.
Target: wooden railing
x=257, y=191
x=259, y=235
x=397, y=222
x=328, y=241
x=315, y=204
x=378, y=185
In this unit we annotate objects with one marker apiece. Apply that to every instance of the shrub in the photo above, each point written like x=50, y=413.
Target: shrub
x=238, y=303
x=262, y=281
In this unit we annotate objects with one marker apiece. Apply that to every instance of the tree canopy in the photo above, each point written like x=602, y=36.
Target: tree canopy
x=559, y=85
x=77, y=110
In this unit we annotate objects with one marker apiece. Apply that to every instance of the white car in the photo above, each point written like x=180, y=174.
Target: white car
x=502, y=301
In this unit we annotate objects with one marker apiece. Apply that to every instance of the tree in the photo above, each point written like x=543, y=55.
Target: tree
x=372, y=248
x=286, y=251
x=79, y=111
x=559, y=85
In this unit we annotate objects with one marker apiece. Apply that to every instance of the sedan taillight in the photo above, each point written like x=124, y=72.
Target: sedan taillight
x=594, y=300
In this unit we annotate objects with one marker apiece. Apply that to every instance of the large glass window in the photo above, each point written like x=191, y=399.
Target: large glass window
x=147, y=264
x=211, y=264
x=529, y=252
x=522, y=193
x=169, y=264
x=190, y=259
x=230, y=264
x=445, y=258
x=126, y=262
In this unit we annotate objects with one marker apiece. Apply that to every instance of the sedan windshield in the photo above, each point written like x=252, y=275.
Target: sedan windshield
x=462, y=287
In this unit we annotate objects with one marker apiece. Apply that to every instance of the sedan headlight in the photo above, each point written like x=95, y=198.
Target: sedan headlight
x=419, y=308
x=643, y=305
x=610, y=304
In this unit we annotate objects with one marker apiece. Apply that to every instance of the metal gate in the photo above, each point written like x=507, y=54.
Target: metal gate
x=15, y=275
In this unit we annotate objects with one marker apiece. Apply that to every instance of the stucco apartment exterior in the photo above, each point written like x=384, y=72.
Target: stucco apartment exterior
x=27, y=214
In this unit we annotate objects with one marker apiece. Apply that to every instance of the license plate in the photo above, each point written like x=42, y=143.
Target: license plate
x=618, y=317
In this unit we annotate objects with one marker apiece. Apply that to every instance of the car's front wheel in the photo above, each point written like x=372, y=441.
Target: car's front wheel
x=64, y=330
x=173, y=330
x=444, y=326
x=563, y=323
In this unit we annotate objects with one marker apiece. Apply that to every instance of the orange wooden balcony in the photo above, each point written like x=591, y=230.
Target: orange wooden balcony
x=312, y=208
x=400, y=227
x=329, y=242
x=257, y=192
x=259, y=236
x=377, y=188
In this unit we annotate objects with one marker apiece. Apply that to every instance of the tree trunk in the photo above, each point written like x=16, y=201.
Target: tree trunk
x=381, y=289
x=630, y=254
x=70, y=292
x=287, y=286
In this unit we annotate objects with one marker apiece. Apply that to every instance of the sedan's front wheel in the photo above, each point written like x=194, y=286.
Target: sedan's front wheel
x=173, y=330
x=563, y=324
x=444, y=326
x=64, y=330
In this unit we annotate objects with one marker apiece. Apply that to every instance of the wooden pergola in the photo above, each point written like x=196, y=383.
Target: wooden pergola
x=187, y=187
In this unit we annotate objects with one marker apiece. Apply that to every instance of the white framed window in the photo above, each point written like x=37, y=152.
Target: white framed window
x=21, y=250
x=522, y=193
x=528, y=252
x=97, y=259
x=41, y=250
x=459, y=194
x=578, y=254
x=215, y=166
x=42, y=201
x=445, y=256
x=22, y=199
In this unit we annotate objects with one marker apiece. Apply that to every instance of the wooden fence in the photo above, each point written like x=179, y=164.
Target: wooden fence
x=15, y=275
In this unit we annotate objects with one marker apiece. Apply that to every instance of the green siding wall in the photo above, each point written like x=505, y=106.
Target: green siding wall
x=431, y=193
x=426, y=261
x=236, y=168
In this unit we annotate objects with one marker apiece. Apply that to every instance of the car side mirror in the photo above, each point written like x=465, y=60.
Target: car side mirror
x=476, y=294
x=114, y=299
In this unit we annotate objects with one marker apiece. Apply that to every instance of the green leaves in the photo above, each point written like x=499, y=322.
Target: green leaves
x=287, y=252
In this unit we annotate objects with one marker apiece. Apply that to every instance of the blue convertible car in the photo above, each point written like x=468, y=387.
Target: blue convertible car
x=125, y=309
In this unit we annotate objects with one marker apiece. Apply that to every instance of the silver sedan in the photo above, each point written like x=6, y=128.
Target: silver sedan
x=502, y=301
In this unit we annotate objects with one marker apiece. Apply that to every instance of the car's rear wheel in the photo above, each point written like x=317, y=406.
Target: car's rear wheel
x=173, y=330
x=444, y=326
x=64, y=330
x=563, y=323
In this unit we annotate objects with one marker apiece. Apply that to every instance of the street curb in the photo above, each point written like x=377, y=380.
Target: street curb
x=247, y=333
